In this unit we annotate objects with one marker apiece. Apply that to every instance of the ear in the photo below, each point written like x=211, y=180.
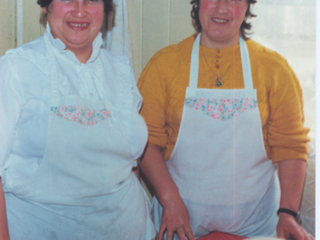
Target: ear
x=44, y=9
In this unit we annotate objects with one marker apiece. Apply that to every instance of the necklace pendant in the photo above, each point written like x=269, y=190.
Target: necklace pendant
x=218, y=82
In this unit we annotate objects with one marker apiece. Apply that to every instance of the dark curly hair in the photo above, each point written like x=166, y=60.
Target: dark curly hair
x=245, y=26
x=108, y=8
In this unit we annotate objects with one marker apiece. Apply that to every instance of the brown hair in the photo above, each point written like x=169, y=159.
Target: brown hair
x=245, y=26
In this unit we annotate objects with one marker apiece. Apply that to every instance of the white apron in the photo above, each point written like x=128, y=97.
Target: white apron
x=219, y=163
x=84, y=187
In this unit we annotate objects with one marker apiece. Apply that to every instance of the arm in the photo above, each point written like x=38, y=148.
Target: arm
x=291, y=176
x=4, y=232
x=135, y=170
x=11, y=100
x=175, y=217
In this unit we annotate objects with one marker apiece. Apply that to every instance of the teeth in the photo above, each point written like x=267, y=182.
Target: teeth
x=219, y=20
x=78, y=24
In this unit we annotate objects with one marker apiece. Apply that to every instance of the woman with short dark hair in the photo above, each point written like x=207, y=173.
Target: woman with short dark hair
x=222, y=111
x=245, y=26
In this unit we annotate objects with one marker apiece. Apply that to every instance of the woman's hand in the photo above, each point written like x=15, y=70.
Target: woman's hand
x=288, y=227
x=4, y=233
x=291, y=176
x=175, y=218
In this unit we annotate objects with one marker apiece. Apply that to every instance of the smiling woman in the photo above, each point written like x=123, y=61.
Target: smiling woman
x=76, y=23
x=220, y=21
x=222, y=111
x=66, y=172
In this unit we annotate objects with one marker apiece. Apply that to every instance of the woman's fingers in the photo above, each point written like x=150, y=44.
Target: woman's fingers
x=189, y=233
x=169, y=234
x=301, y=234
x=181, y=233
x=288, y=227
x=161, y=231
x=184, y=232
x=175, y=219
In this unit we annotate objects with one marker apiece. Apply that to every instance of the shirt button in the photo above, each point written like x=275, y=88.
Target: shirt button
x=218, y=51
x=217, y=66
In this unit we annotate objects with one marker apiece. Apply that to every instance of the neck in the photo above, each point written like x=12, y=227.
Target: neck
x=83, y=55
x=210, y=43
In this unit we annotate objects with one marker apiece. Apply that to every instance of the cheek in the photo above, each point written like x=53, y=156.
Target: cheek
x=239, y=12
x=57, y=11
x=238, y=18
x=204, y=11
x=205, y=7
x=98, y=16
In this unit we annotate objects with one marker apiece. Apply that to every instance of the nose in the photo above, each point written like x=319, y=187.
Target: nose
x=79, y=9
x=222, y=6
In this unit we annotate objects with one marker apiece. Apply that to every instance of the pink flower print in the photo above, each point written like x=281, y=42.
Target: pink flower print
x=222, y=109
x=89, y=114
x=228, y=101
x=215, y=115
x=105, y=113
x=81, y=114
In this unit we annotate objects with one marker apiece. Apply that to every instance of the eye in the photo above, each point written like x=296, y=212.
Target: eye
x=235, y=1
x=94, y=1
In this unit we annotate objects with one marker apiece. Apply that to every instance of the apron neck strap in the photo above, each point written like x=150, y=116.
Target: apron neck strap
x=246, y=66
x=245, y=59
x=194, y=66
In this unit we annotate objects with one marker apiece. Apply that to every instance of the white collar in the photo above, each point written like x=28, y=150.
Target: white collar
x=60, y=46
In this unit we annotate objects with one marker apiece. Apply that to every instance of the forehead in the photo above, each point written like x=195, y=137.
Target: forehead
x=246, y=1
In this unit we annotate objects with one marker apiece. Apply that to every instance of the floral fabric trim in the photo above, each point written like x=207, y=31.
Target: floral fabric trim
x=221, y=109
x=80, y=114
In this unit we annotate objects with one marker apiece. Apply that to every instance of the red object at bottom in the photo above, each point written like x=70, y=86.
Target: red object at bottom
x=221, y=236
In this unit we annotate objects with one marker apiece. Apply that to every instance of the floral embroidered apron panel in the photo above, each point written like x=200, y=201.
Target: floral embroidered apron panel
x=219, y=163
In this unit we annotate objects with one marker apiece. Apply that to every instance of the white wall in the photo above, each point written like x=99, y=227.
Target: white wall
x=156, y=24
x=19, y=21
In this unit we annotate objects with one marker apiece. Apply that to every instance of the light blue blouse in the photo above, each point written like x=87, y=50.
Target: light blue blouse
x=25, y=85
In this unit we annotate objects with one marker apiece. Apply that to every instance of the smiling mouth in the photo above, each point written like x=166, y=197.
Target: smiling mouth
x=219, y=20
x=79, y=25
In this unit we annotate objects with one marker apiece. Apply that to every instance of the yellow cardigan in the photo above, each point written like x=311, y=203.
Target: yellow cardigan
x=164, y=80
